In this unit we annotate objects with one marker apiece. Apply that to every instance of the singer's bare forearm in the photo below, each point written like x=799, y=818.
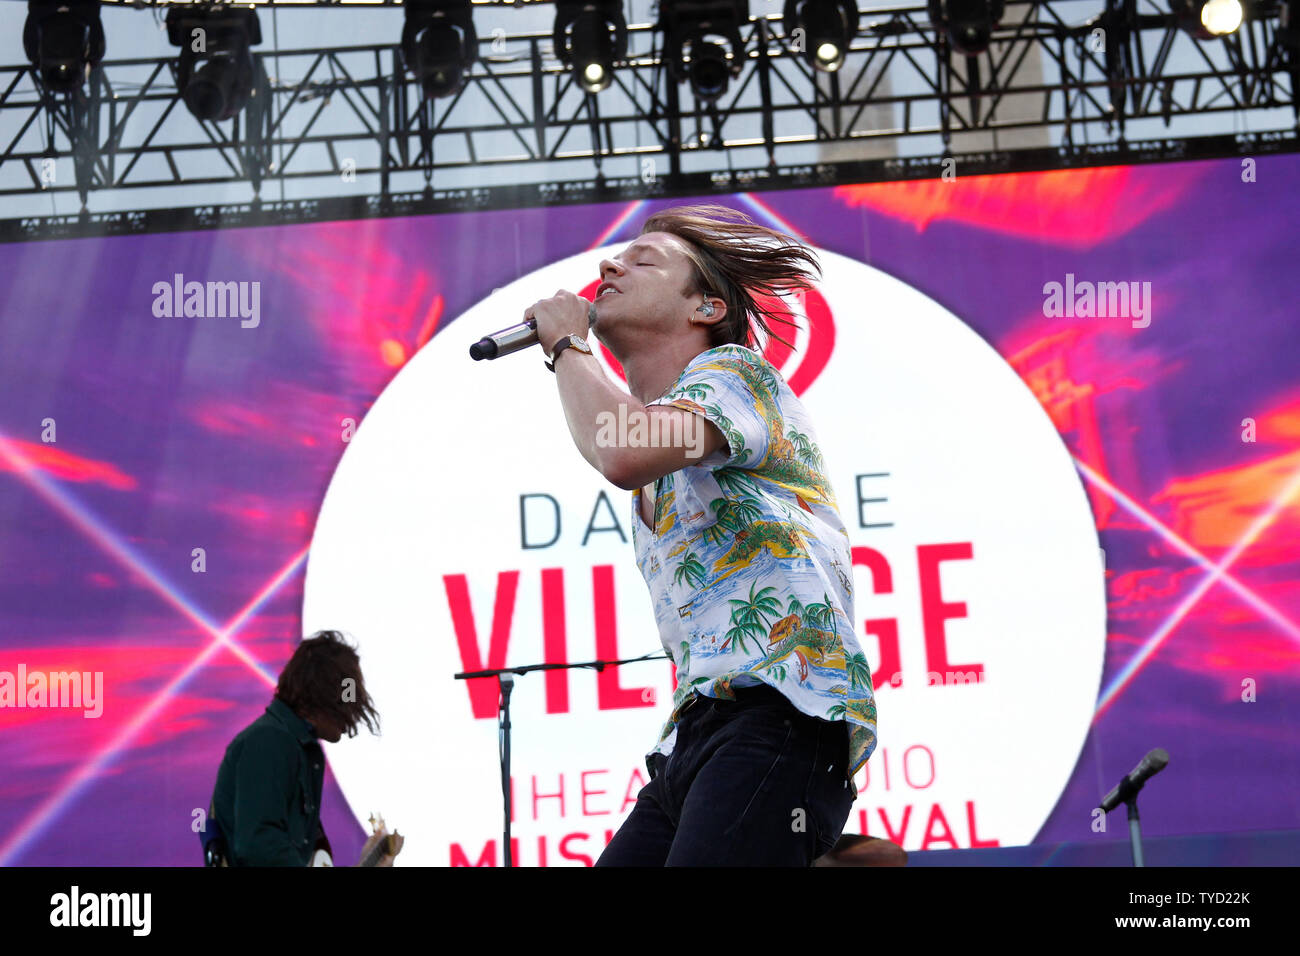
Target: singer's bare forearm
x=670, y=439
x=586, y=392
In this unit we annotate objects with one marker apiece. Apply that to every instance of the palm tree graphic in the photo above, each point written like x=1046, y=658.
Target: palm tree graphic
x=821, y=615
x=858, y=670
x=696, y=391
x=691, y=569
x=802, y=446
x=752, y=618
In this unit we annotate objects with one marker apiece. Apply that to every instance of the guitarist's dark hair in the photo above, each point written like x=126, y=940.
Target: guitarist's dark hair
x=324, y=676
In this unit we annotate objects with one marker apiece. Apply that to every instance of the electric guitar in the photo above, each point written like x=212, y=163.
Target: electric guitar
x=381, y=844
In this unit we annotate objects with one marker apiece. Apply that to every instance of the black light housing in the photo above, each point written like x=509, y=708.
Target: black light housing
x=64, y=41
x=690, y=27
x=969, y=23
x=215, y=80
x=1288, y=29
x=439, y=44
x=708, y=73
x=589, y=36
x=829, y=27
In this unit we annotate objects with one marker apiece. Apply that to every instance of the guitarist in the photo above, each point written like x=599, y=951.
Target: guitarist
x=266, y=802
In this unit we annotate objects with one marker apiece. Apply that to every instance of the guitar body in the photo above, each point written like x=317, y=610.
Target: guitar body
x=381, y=844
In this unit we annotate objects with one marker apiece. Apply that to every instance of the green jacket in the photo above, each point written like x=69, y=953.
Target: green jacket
x=267, y=797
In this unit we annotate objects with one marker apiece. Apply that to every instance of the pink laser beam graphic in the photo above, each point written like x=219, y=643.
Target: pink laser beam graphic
x=46, y=813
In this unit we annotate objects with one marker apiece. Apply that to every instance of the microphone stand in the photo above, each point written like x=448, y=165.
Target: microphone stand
x=506, y=681
x=1134, y=830
x=1127, y=792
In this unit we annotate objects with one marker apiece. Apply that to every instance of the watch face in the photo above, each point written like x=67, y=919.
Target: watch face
x=580, y=343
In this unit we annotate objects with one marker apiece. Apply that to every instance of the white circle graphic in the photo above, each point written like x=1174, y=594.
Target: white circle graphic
x=979, y=570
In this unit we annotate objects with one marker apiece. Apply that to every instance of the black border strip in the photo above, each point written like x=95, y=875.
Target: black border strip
x=528, y=195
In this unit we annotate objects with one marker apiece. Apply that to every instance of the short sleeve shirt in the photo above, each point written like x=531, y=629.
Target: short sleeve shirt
x=749, y=564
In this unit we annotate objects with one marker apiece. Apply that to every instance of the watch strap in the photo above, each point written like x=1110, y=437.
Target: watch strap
x=560, y=346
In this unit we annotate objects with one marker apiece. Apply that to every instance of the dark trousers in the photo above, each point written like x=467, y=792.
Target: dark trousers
x=750, y=782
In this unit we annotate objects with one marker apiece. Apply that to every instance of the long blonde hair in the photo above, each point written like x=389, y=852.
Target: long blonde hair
x=736, y=259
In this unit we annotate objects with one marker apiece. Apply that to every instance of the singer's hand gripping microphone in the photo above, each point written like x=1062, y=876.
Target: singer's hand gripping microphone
x=514, y=338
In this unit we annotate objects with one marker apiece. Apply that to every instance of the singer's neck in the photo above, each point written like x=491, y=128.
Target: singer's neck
x=651, y=373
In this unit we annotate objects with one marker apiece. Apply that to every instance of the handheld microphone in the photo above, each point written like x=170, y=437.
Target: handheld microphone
x=514, y=338
x=1151, y=765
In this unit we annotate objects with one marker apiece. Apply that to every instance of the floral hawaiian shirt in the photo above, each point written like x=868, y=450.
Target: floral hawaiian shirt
x=749, y=564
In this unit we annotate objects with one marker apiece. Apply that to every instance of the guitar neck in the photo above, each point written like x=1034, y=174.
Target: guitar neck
x=376, y=853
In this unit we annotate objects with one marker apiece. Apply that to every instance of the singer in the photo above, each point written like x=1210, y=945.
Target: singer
x=738, y=537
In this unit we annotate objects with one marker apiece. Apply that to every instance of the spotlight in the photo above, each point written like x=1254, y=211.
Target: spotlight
x=1207, y=19
x=969, y=23
x=709, y=73
x=64, y=41
x=589, y=36
x=439, y=44
x=709, y=30
x=828, y=28
x=221, y=37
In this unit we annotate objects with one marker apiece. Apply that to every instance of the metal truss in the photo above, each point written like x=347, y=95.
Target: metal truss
x=1104, y=87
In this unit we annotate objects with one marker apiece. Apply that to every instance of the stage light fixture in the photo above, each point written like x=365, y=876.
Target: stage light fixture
x=702, y=43
x=64, y=40
x=589, y=36
x=709, y=73
x=1208, y=19
x=1288, y=30
x=828, y=26
x=439, y=44
x=221, y=38
x=968, y=23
